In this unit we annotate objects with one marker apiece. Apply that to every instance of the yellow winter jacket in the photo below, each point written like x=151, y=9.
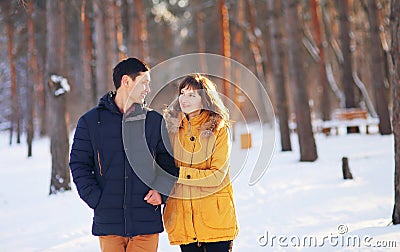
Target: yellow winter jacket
x=201, y=206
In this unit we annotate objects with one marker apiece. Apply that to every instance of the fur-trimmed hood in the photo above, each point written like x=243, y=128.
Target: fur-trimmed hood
x=209, y=121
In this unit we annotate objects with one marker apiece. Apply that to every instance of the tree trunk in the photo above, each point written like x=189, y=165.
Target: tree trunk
x=395, y=52
x=363, y=90
x=60, y=175
x=255, y=43
x=325, y=104
x=111, y=35
x=62, y=38
x=346, y=169
x=339, y=94
x=225, y=45
x=199, y=16
x=36, y=71
x=89, y=94
x=308, y=149
x=42, y=104
x=13, y=75
x=278, y=69
x=255, y=48
x=200, y=27
x=237, y=53
x=19, y=118
x=347, y=67
x=132, y=39
x=102, y=71
x=42, y=97
x=40, y=90
x=10, y=45
x=377, y=70
x=121, y=48
x=33, y=74
x=142, y=30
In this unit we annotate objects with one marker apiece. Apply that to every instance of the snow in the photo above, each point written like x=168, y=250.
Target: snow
x=292, y=202
x=65, y=88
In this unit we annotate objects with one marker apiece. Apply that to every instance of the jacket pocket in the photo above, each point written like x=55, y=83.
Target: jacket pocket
x=99, y=163
x=218, y=211
x=99, y=203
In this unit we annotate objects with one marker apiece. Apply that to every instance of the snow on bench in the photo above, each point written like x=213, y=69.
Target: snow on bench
x=348, y=118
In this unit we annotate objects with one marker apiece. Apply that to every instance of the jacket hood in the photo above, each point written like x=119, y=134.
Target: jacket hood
x=108, y=102
x=206, y=121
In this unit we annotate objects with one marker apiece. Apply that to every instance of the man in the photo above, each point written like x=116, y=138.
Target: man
x=117, y=181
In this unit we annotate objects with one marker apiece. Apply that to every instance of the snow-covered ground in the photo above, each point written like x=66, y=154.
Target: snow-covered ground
x=294, y=206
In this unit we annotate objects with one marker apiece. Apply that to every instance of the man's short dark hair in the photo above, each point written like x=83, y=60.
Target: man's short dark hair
x=130, y=66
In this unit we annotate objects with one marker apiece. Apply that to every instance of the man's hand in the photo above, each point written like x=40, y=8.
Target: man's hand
x=153, y=197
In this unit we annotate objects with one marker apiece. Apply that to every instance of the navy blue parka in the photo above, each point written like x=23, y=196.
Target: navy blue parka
x=104, y=177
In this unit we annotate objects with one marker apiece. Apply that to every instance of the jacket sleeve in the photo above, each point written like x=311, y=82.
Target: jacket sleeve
x=82, y=165
x=167, y=172
x=216, y=173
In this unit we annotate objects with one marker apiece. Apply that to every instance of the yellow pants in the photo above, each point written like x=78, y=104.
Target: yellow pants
x=139, y=243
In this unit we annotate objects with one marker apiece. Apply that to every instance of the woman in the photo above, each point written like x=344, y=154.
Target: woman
x=200, y=214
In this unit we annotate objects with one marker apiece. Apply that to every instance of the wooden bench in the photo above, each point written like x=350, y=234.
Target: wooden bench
x=352, y=119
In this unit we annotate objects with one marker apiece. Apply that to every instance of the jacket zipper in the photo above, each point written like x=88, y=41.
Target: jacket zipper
x=155, y=169
x=124, y=203
x=125, y=190
x=99, y=163
x=188, y=133
x=189, y=128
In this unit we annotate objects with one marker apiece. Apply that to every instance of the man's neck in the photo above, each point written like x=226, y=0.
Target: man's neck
x=121, y=100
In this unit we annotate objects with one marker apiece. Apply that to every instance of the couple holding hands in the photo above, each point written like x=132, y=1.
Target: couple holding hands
x=127, y=161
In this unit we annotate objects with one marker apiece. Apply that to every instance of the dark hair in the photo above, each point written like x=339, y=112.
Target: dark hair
x=210, y=99
x=130, y=66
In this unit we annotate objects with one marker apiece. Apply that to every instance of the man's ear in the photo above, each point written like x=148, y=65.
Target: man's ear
x=125, y=80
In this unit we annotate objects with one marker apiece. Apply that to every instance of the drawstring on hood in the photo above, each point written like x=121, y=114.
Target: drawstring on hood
x=107, y=102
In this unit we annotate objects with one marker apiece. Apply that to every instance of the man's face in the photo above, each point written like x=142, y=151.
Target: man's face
x=139, y=88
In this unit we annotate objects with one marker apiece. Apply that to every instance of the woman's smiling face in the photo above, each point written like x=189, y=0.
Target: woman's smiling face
x=190, y=101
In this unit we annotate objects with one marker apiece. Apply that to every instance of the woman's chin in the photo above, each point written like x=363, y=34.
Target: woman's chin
x=194, y=112
x=187, y=111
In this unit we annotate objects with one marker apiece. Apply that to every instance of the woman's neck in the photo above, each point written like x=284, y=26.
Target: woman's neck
x=193, y=114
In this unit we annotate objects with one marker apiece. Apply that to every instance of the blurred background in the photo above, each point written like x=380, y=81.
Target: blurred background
x=94, y=35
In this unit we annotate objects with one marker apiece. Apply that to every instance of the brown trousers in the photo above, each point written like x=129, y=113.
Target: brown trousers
x=139, y=243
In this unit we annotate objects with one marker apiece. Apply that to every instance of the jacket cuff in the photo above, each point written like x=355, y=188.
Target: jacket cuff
x=163, y=198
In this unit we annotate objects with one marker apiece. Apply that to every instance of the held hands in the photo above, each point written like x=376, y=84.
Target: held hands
x=153, y=197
